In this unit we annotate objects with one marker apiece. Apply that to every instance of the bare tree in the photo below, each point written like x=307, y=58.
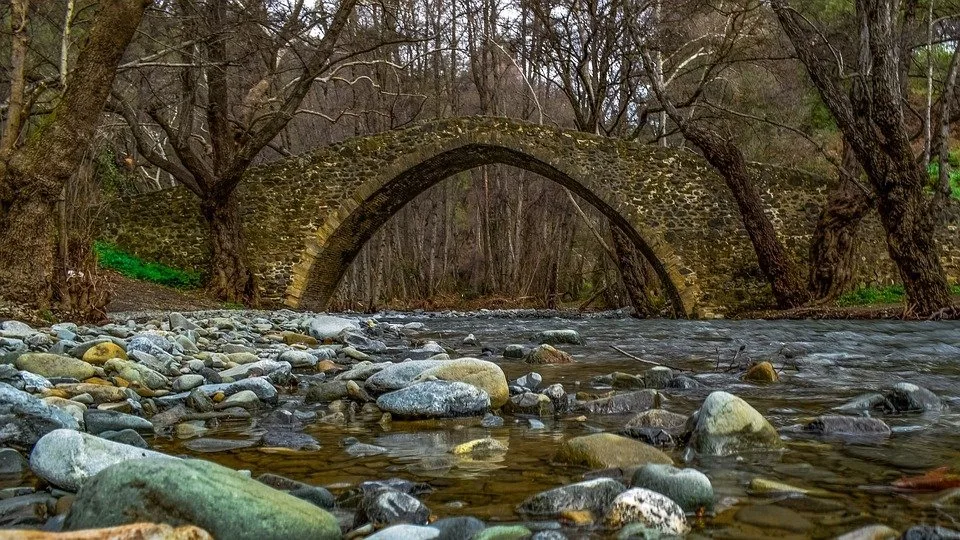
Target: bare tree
x=868, y=105
x=37, y=158
x=216, y=134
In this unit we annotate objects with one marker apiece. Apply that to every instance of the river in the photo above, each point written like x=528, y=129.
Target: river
x=823, y=363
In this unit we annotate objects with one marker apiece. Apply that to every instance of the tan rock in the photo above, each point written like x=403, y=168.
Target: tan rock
x=136, y=531
x=761, y=372
x=606, y=450
x=486, y=376
x=99, y=354
x=293, y=338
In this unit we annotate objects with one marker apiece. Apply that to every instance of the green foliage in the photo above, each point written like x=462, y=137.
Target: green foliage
x=867, y=296
x=934, y=171
x=129, y=265
x=820, y=119
x=108, y=174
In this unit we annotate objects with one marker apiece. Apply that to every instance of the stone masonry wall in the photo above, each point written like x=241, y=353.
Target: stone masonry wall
x=682, y=211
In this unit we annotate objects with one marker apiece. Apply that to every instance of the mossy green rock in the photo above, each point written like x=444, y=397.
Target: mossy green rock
x=55, y=365
x=726, y=424
x=504, y=532
x=195, y=492
x=606, y=450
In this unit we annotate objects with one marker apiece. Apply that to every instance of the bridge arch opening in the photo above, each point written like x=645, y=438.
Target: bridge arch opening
x=332, y=249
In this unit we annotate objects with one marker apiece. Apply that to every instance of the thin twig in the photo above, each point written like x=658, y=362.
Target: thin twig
x=638, y=359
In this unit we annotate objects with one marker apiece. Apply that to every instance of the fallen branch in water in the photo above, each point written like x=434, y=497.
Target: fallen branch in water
x=651, y=362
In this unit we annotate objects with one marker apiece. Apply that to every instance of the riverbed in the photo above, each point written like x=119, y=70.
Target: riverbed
x=821, y=364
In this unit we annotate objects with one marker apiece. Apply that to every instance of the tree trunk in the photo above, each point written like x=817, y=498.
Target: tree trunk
x=635, y=280
x=230, y=278
x=832, y=247
x=783, y=275
x=27, y=248
x=910, y=226
x=33, y=175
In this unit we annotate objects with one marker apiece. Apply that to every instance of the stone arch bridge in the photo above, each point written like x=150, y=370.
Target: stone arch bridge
x=306, y=217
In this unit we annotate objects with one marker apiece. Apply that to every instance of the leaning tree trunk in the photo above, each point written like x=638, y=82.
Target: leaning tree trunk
x=27, y=248
x=832, y=248
x=781, y=272
x=230, y=277
x=910, y=227
x=632, y=273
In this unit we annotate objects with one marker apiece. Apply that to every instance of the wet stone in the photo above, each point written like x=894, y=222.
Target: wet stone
x=385, y=507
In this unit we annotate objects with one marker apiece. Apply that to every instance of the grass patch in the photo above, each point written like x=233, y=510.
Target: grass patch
x=131, y=266
x=867, y=296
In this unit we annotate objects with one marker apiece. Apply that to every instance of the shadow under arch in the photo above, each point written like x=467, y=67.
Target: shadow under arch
x=333, y=247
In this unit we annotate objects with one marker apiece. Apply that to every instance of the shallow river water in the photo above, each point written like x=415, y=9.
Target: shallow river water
x=824, y=364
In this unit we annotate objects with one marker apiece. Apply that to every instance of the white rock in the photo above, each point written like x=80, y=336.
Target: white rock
x=66, y=458
x=326, y=327
x=649, y=508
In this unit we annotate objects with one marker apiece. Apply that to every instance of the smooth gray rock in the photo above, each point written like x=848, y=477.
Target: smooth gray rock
x=15, y=329
x=12, y=463
x=188, y=382
x=98, y=421
x=515, y=351
x=847, y=426
x=405, y=532
x=24, y=419
x=435, y=399
x=125, y=436
x=689, y=488
x=908, y=397
x=298, y=359
x=324, y=327
x=557, y=337
x=383, y=507
x=67, y=458
x=456, y=528
x=262, y=367
x=397, y=376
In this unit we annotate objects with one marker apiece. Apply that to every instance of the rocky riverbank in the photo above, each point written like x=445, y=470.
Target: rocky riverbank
x=88, y=414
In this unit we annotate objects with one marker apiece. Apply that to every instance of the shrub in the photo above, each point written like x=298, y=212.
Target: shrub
x=112, y=257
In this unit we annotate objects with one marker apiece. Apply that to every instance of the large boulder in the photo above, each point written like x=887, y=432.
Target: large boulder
x=397, y=376
x=24, y=419
x=67, y=458
x=222, y=501
x=486, y=376
x=726, y=424
x=606, y=450
x=594, y=496
x=323, y=327
x=55, y=365
x=435, y=399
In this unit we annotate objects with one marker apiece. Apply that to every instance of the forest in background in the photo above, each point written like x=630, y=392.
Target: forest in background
x=205, y=89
